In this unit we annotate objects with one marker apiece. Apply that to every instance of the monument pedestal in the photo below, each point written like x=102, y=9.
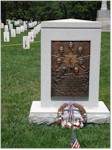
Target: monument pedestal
x=45, y=115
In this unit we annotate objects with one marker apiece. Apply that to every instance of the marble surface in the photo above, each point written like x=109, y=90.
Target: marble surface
x=70, y=23
x=45, y=115
x=70, y=34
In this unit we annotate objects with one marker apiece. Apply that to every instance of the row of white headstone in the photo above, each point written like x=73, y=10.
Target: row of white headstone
x=16, y=22
x=18, y=29
x=8, y=27
x=31, y=36
x=22, y=28
x=32, y=24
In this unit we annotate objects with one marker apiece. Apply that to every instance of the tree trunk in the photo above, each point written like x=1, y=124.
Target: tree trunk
x=3, y=12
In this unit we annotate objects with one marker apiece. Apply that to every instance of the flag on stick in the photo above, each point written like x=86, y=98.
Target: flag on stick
x=74, y=141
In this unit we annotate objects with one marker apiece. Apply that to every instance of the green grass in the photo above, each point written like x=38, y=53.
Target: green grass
x=105, y=69
x=21, y=85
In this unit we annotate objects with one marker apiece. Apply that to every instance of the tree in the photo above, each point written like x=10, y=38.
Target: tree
x=83, y=9
x=50, y=10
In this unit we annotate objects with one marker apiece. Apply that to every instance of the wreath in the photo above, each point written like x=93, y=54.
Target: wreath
x=72, y=121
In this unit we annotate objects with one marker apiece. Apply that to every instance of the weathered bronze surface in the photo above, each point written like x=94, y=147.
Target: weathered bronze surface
x=70, y=68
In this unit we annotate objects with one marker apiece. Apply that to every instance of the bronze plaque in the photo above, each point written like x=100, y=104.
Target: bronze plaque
x=70, y=68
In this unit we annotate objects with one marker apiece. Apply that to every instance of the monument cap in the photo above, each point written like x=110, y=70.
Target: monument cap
x=71, y=23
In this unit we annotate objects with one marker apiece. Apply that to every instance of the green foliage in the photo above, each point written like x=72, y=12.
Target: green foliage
x=21, y=85
x=50, y=10
x=83, y=9
x=108, y=5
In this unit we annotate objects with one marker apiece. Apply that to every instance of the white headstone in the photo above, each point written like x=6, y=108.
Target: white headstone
x=9, y=21
x=31, y=37
x=6, y=36
x=18, y=31
x=10, y=26
x=22, y=28
x=26, y=42
x=34, y=33
x=16, y=23
x=6, y=28
x=13, y=33
x=24, y=22
x=25, y=26
x=38, y=28
x=20, y=21
x=30, y=25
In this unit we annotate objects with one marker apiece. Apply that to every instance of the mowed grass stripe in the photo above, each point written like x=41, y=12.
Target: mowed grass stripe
x=18, y=44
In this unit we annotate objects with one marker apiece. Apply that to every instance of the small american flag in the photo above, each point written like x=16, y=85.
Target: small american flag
x=74, y=141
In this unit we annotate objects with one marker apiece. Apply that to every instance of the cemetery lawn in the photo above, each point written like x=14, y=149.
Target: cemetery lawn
x=20, y=85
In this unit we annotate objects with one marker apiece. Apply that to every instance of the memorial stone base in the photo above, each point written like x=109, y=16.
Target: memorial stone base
x=45, y=115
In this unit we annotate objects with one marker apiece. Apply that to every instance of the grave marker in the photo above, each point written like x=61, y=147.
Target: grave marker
x=6, y=36
x=26, y=42
x=31, y=37
x=18, y=31
x=10, y=26
x=22, y=28
x=25, y=26
x=34, y=33
x=6, y=28
x=13, y=33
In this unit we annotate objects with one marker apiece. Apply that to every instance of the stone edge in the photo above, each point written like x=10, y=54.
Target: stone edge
x=50, y=117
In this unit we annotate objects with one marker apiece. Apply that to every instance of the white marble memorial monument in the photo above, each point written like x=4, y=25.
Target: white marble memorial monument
x=59, y=33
